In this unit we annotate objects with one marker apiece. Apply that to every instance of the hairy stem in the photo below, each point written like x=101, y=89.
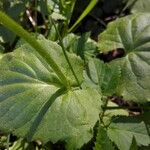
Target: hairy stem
x=65, y=54
x=17, y=29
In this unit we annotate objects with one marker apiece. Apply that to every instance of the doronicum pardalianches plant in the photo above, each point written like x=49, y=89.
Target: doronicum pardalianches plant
x=47, y=93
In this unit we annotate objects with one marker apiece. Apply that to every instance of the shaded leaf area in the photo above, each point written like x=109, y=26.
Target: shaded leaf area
x=102, y=140
x=35, y=105
x=15, y=9
x=122, y=131
x=129, y=34
x=134, y=145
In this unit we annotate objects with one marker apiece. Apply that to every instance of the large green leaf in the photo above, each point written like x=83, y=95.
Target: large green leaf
x=34, y=104
x=131, y=33
x=141, y=6
x=123, y=130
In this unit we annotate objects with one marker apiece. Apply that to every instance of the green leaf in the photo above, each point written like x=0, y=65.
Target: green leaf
x=3, y=141
x=105, y=76
x=122, y=131
x=57, y=54
x=102, y=140
x=34, y=104
x=83, y=46
x=131, y=33
x=141, y=6
x=61, y=10
x=54, y=8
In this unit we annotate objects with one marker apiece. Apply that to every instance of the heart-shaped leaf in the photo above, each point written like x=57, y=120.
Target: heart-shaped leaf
x=34, y=103
x=131, y=33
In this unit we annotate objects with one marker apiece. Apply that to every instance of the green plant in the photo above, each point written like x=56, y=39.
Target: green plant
x=52, y=92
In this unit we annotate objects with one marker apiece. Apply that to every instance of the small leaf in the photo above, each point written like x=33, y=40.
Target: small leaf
x=131, y=33
x=122, y=131
x=102, y=140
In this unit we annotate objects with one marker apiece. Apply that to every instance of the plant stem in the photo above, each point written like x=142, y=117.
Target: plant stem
x=103, y=112
x=65, y=54
x=8, y=139
x=84, y=14
x=17, y=29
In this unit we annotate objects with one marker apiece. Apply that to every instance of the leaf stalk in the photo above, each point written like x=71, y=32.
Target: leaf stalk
x=65, y=54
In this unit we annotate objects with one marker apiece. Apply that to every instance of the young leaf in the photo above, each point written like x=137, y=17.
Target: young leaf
x=102, y=140
x=131, y=33
x=34, y=103
x=54, y=8
x=122, y=131
x=66, y=8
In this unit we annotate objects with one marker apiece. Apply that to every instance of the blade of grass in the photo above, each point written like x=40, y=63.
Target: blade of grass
x=84, y=14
